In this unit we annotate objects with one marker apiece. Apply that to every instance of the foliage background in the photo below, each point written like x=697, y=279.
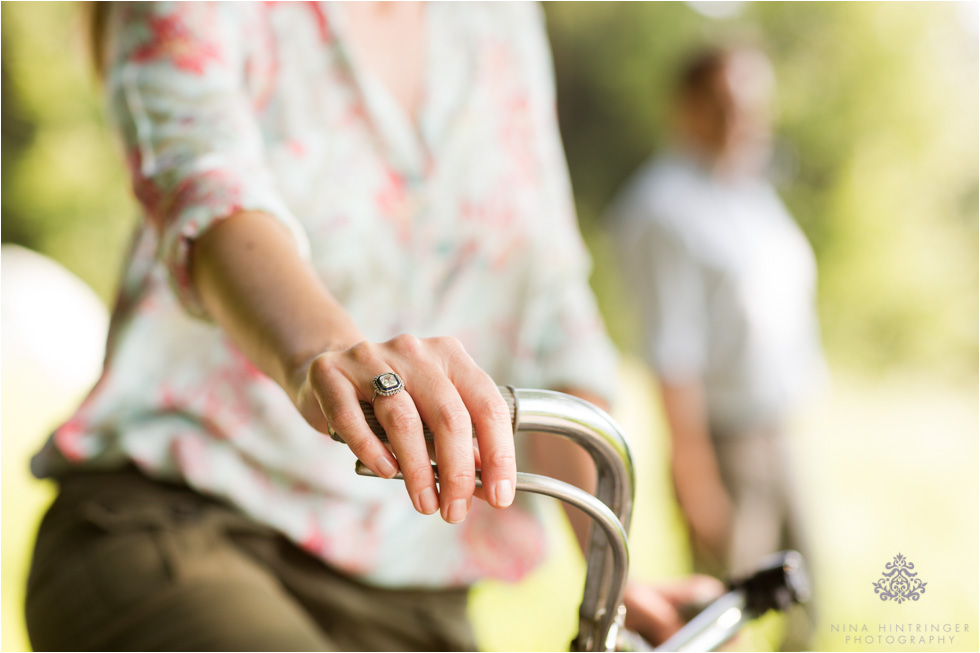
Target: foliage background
x=877, y=159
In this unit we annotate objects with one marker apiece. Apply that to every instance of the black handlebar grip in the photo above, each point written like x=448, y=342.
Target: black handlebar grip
x=506, y=391
x=778, y=581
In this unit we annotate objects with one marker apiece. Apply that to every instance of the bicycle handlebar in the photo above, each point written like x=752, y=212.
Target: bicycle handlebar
x=779, y=582
x=595, y=431
x=609, y=525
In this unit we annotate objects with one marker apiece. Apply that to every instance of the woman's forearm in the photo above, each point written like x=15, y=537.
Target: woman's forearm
x=251, y=279
x=270, y=302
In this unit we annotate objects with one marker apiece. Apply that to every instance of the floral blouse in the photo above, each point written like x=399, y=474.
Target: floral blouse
x=461, y=224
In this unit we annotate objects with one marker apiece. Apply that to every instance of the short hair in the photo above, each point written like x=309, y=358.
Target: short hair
x=699, y=68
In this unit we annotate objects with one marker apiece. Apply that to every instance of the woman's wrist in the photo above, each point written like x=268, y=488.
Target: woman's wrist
x=274, y=307
x=296, y=364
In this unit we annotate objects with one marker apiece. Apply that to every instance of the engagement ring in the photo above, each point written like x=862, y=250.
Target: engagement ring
x=387, y=384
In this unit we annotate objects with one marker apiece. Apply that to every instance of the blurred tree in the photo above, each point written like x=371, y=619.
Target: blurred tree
x=65, y=192
x=16, y=136
x=877, y=156
x=877, y=159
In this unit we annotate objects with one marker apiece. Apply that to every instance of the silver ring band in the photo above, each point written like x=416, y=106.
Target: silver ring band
x=387, y=384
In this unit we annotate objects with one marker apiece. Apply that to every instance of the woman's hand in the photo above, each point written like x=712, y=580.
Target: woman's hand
x=657, y=612
x=271, y=303
x=445, y=389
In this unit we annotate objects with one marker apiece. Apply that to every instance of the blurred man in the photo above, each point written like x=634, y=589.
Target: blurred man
x=725, y=282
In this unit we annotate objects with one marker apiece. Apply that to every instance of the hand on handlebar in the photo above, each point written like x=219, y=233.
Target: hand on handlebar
x=445, y=389
x=657, y=612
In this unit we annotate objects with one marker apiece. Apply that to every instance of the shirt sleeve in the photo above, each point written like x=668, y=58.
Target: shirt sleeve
x=176, y=79
x=668, y=289
x=573, y=347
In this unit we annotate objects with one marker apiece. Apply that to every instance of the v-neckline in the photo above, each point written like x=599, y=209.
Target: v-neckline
x=399, y=133
x=410, y=142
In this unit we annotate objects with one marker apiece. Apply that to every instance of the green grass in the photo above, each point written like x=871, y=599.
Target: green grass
x=888, y=467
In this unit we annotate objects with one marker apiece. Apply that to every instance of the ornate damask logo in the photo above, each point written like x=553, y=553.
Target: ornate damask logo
x=898, y=582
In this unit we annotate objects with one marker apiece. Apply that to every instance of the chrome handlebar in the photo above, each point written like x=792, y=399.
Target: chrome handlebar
x=601, y=613
x=615, y=551
x=543, y=411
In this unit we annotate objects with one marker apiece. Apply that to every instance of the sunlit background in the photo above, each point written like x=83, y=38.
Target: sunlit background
x=877, y=159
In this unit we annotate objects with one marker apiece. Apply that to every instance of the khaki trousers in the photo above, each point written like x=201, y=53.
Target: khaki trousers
x=756, y=470
x=123, y=562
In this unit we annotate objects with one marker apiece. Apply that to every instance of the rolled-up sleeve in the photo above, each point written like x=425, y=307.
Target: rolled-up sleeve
x=573, y=347
x=176, y=79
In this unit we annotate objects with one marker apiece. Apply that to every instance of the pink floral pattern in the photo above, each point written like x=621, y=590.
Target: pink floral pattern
x=256, y=106
x=176, y=40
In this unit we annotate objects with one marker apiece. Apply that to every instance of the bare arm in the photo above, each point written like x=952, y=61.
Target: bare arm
x=655, y=612
x=697, y=481
x=268, y=300
x=252, y=281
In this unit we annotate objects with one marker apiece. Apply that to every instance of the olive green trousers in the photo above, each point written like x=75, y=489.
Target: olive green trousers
x=123, y=562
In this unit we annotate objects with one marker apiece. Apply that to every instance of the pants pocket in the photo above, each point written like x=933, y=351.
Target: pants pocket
x=91, y=567
x=106, y=546
x=125, y=554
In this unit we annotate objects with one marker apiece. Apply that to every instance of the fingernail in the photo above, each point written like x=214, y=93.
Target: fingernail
x=456, y=511
x=428, y=501
x=385, y=468
x=504, y=494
